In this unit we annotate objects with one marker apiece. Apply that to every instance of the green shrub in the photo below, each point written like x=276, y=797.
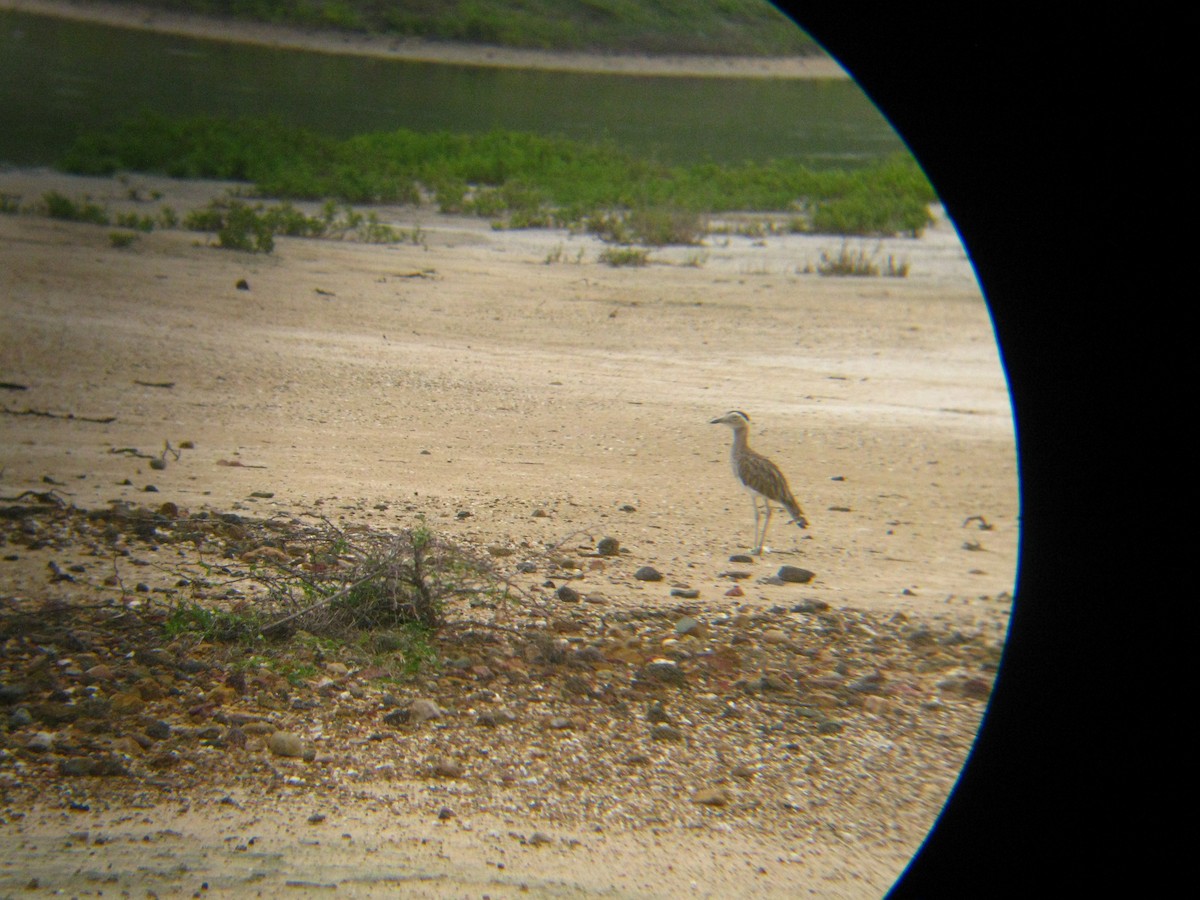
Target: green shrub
x=59, y=206
x=624, y=256
x=522, y=179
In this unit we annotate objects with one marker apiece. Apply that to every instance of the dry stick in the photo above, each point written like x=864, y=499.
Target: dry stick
x=50, y=415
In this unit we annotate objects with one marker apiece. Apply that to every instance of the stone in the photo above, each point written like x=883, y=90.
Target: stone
x=794, y=575
x=648, y=573
x=664, y=670
x=665, y=732
x=283, y=743
x=423, y=710
x=714, y=796
x=608, y=546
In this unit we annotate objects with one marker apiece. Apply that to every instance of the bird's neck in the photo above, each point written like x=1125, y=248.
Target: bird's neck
x=741, y=440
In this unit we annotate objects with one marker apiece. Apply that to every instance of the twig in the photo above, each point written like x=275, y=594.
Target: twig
x=101, y=420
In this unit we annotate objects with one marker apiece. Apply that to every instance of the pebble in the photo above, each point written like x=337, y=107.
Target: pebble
x=665, y=732
x=794, y=575
x=810, y=606
x=657, y=714
x=88, y=765
x=448, y=768
x=41, y=742
x=567, y=594
x=714, y=796
x=424, y=710
x=664, y=670
x=648, y=573
x=283, y=743
x=608, y=546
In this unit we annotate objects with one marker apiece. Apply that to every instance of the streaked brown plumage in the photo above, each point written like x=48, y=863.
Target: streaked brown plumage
x=759, y=476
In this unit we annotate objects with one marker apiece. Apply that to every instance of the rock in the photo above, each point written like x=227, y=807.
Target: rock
x=448, y=768
x=810, y=606
x=445, y=813
x=423, y=710
x=283, y=743
x=567, y=594
x=608, y=546
x=714, y=796
x=774, y=636
x=794, y=575
x=663, y=670
x=648, y=573
x=540, y=837
x=657, y=714
x=88, y=765
x=685, y=593
x=741, y=558
x=41, y=742
x=12, y=693
x=100, y=672
x=495, y=718
x=664, y=732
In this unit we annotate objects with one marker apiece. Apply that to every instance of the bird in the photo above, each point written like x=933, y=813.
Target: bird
x=758, y=475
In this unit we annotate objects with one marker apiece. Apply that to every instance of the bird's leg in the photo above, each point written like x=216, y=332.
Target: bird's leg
x=757, y=543
x=766, y=524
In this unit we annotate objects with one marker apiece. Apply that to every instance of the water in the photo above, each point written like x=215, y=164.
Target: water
x=60, y=78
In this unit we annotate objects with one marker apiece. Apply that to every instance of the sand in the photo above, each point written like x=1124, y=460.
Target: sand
x=477, y=378
x=499, y=374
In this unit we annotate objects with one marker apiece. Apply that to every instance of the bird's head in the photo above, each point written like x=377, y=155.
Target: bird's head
x=735, y=419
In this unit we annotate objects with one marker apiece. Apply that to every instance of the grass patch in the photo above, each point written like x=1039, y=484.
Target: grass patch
x=624, y=256
x=122, y=239
x=59, y=206
x=518, y=180
x=859, y=263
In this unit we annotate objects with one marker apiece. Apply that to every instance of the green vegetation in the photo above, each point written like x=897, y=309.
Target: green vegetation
x=624, y=256
x=191, y=618
x=518, y=180
x=859, y=263
x=121, y=239
x=720, y=27
x=59, y=206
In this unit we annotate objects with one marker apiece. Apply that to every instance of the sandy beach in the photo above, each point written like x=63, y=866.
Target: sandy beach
x=513, y=392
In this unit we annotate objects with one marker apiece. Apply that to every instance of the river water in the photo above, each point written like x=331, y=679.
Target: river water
x=59, y=78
